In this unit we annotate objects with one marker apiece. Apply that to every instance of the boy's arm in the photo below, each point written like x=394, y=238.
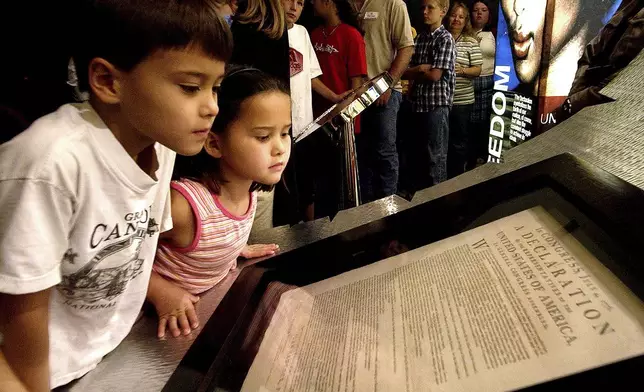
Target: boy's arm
x=403, y=41
x=35, y=221
x=423, y=73
x=9, y=382
x=444, y=56
x=25, y=349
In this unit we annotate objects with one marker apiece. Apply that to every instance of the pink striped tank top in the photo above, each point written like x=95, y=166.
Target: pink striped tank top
x=219, y=239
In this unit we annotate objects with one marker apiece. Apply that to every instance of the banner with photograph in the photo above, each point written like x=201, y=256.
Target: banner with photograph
x=539, y=43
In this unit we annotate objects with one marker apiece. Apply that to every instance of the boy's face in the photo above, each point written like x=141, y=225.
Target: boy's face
x=433, y=13
x=170, y=97
x=293, y=9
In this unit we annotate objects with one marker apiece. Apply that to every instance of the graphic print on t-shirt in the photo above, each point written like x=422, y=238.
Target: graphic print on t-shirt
x=328, y=48
x=296, y=61
x=106, y=276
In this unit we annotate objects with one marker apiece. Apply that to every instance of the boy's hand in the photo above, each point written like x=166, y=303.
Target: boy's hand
x=176, y=310
x=259, y=250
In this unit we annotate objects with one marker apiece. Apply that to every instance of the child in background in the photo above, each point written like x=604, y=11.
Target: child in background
x=340, y=48
x=214, y=198
x=83, y=191
x=432, y=71
x=305, y=69
x=305, y=72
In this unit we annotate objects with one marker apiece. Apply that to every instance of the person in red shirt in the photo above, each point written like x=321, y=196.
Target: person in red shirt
x=340, y=49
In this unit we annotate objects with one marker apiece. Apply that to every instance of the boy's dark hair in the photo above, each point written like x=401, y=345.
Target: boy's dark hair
x=125, y=32
x=239, y=84
x=348, y=15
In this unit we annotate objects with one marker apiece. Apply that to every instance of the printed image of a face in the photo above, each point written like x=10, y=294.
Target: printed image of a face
x=526, y=22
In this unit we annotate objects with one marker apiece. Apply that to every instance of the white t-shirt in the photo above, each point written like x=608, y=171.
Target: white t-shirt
x=78, y=214
x=304, y=68
x=487, y=43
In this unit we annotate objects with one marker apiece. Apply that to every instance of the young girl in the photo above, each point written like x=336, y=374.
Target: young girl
x=214, y=195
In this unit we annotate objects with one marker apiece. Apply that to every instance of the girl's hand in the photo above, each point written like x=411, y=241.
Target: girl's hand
x=259, y=250
x=176, y=310
x=458, y=69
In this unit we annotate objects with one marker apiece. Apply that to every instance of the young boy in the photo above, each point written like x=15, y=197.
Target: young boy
x=83, y=191
x=305, y=73
x=432, y=71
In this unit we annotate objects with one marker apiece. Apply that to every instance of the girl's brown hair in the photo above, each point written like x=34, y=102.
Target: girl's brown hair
x=267, y=14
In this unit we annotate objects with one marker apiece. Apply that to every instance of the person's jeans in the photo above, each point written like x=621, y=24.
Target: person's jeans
x=459, y=139
x=431, y=135
x=377, y=156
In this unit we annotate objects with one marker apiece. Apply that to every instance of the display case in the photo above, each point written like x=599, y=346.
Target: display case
x=600, y=212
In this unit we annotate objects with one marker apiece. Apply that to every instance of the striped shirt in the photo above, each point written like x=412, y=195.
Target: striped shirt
x=468, y=54
x=436, y=49
x=219, y=239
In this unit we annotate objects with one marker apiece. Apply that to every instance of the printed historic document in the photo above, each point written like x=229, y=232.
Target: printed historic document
x=507, y=305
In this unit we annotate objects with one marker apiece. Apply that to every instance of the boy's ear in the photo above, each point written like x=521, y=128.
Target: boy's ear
x=104, y=80
x=213, y=145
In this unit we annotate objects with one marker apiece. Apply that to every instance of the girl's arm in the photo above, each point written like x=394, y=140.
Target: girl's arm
x=175, y=306
x=183, y=221
x=259, y=250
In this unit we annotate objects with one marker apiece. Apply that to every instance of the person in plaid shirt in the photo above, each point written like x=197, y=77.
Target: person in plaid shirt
x=431, y=71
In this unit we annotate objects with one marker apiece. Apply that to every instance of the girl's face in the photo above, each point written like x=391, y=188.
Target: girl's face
x=457, y=19
x=257, y=145
x=480, y=15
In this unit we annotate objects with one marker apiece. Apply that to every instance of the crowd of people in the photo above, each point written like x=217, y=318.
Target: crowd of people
x=434, y=130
